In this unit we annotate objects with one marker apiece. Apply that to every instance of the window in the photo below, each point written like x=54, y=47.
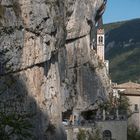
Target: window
x=107, y=135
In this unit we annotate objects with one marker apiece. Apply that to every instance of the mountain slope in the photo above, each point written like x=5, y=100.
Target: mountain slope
x=123, y=50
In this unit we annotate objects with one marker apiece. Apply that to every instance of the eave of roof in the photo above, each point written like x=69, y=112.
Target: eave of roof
x=128, y=85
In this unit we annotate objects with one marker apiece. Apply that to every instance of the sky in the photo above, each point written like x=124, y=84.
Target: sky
x=120, y=10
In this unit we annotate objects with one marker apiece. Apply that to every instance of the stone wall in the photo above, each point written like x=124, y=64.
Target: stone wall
x=117, y=128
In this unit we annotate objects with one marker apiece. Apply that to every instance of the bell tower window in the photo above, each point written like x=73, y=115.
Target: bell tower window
x=100, y=40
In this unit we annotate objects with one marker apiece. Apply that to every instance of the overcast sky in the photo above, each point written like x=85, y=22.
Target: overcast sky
x=118, y=10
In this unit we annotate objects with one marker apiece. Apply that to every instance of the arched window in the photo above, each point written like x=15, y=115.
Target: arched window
x=107, y=135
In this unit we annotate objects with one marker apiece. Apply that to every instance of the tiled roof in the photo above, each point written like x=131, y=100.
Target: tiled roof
x=128, y=85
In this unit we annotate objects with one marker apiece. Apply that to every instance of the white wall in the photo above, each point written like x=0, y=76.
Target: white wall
x=135, y=118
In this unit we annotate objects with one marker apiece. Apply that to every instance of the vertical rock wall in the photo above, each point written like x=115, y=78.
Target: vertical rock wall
x=47, y=65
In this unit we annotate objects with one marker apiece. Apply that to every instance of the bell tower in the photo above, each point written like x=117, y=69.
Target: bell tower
x=100, y=43
x=100, y=31
x=100, y=37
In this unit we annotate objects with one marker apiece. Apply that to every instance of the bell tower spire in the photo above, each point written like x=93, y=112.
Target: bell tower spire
x=100, y=41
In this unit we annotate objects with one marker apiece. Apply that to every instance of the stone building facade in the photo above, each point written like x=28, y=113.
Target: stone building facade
x=132, y=91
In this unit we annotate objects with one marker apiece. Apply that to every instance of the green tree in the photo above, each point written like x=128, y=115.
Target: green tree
x=124, y=106
x=81, y=135
x=95, y=135
x=133, y=132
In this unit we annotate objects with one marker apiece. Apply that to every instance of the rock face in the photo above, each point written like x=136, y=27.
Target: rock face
x=46, y=63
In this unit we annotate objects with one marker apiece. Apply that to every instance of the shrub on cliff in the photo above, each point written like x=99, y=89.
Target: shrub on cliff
x=89, y=135
x=14, y=126
x=133, y=132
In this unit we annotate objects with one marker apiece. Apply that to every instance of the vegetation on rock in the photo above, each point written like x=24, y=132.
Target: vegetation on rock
x=133, y=133
x=15, y=126
x=81, y=135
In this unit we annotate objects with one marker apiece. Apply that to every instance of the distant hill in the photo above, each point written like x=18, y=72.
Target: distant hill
x=123, y=50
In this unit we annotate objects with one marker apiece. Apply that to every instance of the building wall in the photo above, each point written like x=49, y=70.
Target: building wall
x=134, y=100
x=100, y=52
x=117, y=128
x=135, y=118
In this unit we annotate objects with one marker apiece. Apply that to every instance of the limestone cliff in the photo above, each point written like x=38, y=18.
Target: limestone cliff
x=46, y=64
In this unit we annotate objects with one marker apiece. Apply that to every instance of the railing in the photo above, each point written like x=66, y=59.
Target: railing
x=87, y=124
